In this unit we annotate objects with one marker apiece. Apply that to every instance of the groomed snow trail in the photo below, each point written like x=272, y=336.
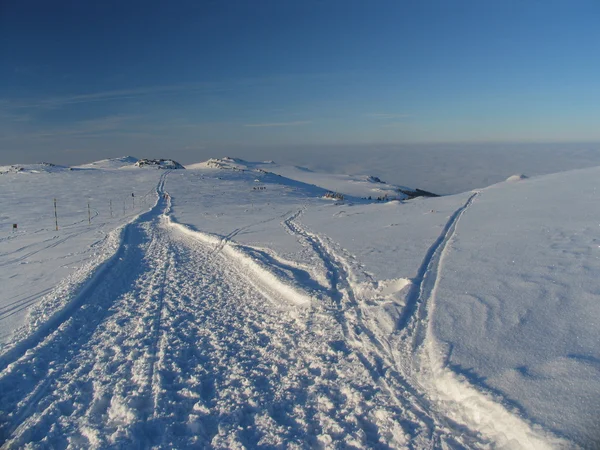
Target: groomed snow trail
x=172, y=346
x=174, y=343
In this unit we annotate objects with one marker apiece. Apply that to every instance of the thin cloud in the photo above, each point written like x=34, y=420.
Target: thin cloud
x=118, y=94
x=278, y=124
x=386, y=116
x=394, y=124
x=197, y=87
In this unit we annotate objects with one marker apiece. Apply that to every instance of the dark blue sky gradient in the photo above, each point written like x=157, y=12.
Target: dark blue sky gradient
x=78, y=76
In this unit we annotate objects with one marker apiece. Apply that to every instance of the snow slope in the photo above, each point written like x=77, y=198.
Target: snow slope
x=32, y=168
x=215, y=314
x=354, y=186
x=519, y=302
x=111, y=163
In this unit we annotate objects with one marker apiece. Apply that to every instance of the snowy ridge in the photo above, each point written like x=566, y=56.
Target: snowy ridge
x=43, y=167
x=257, y=273
x=111, y=163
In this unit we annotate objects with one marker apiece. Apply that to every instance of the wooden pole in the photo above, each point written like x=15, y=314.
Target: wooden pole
x=55, y=215
x=89, y=215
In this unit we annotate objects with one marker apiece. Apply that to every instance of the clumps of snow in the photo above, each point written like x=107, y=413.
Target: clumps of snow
x=159, y=163
x=386, y=300
x=517, y=177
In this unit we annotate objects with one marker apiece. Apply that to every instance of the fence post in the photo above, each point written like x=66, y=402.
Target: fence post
x=55, y=216
x=89, y=215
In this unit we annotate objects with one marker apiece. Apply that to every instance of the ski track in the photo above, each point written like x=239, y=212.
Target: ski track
x=374, y=350
x=408, y=363
x=172, y=344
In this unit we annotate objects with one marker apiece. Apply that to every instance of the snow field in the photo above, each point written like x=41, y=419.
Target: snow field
x=36, y=258
x=230, y=317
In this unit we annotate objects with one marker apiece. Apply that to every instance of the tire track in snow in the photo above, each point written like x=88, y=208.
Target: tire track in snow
x=375, y=351
x=31, y=367
x=413, y=313
x=455, y=396
x=75, y=292
x=181, y=349
x=414, y=368
x=270, y=381
x=227, y=238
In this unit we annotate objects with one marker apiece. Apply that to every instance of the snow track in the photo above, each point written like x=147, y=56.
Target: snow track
x=450, y=393
x=408, y=364
x=174, y=345
x=374, y=350
x=182, y=339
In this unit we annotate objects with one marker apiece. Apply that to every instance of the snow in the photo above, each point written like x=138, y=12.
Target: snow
x=355, y=186
x=32, y=168
x=214, y=314
x=517, y=177
x=519, y=305
x=35, y=258
x=159, y=164
x=111, y=163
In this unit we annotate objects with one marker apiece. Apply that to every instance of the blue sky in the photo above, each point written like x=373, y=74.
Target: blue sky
x=85, y=80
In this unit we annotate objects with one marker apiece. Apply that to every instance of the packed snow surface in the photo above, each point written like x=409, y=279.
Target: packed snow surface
x=234, y=306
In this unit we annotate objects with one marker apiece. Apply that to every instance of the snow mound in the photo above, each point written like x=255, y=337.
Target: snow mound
x=110, y=163
x=517, y=177
x=42, y=167
x=226, y=163
x=159, y=163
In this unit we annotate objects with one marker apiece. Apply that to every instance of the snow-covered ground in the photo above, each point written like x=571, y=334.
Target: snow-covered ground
x=233, y=305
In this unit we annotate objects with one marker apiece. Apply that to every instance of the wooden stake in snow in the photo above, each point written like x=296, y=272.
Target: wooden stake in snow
x=55, y=215
x=89, y=215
